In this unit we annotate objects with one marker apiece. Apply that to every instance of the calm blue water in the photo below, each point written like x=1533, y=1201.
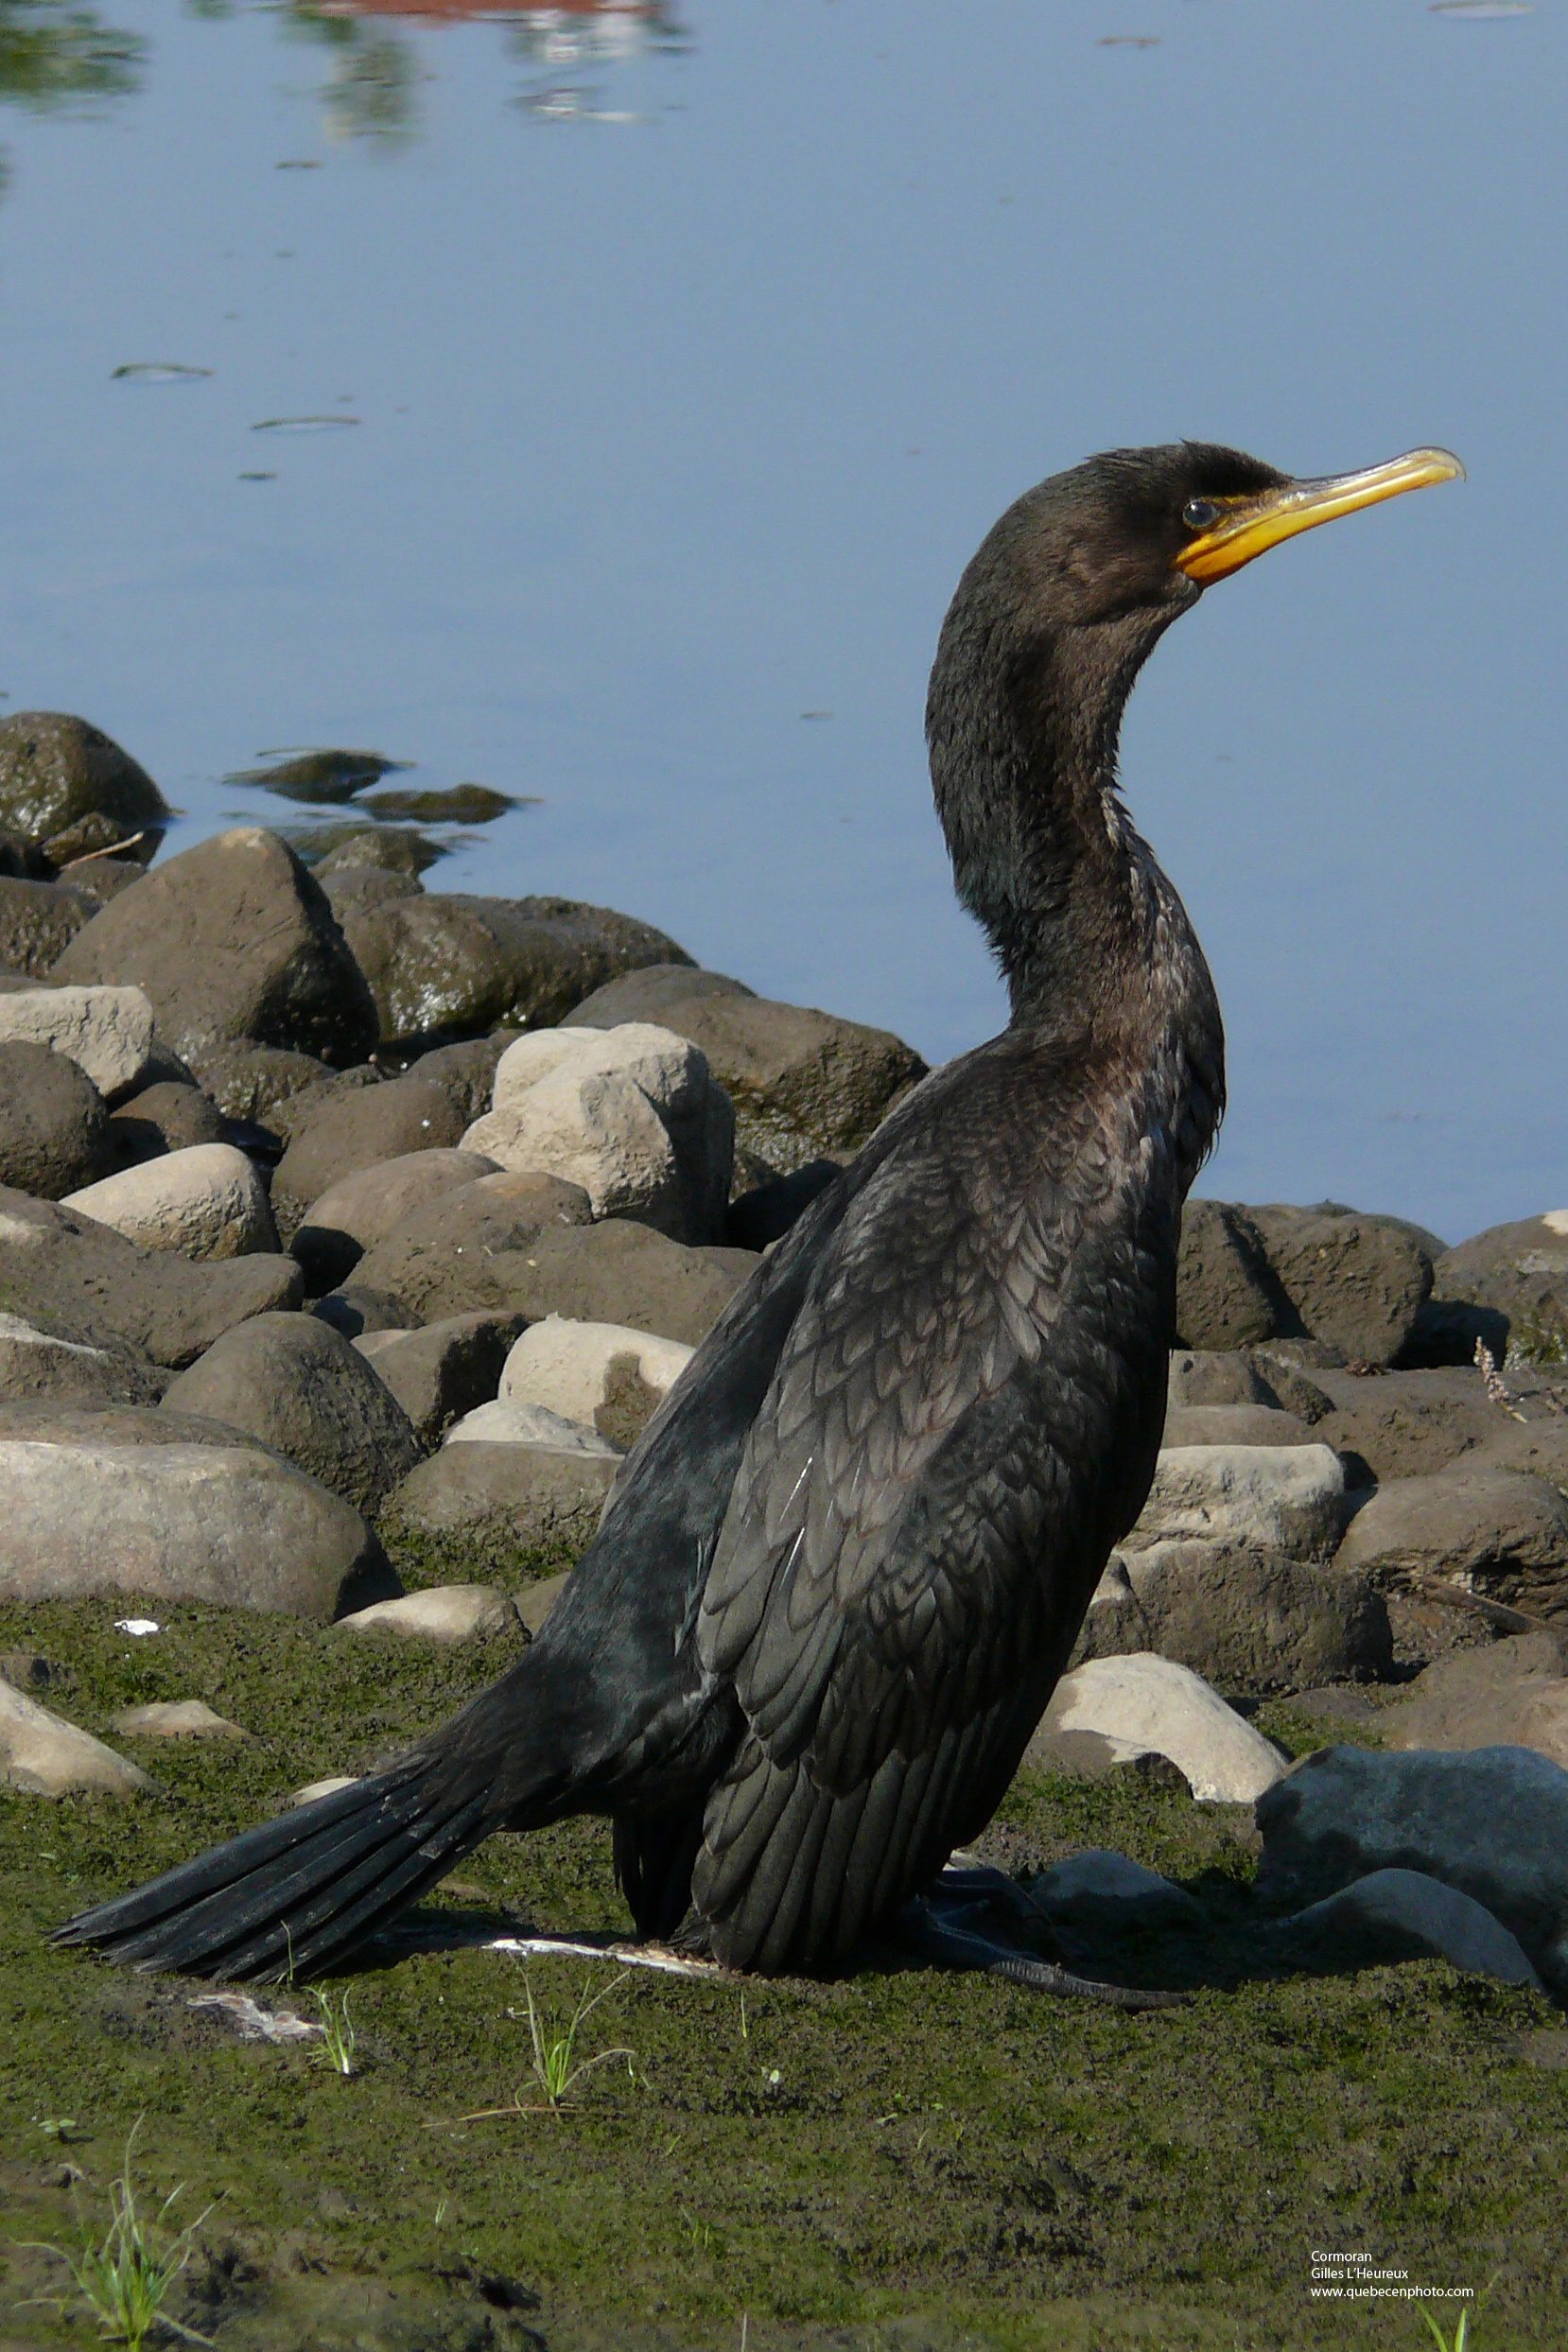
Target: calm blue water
x=691, y=358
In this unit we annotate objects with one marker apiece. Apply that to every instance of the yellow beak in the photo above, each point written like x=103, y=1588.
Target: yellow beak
x=1250, y=526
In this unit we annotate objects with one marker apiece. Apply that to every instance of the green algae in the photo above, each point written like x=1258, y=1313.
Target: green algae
x=900, y=2158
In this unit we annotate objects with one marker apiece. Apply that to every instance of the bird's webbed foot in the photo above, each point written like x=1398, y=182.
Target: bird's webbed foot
x=978, y=1918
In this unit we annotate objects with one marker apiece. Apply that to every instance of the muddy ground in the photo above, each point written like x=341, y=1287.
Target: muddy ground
x=900, y=2160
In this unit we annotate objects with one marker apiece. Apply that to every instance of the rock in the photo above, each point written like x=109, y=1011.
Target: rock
x=1357, y=1283
x=461, y=964
x=1202, y=1377
x=36, y=1363
x=377, y=848
x=325, y=1085
x=234, y=943
x=1492, y=1822
x=1278, y=1364
x=67, y=1274
x=1402, y=1425
x=535, y=1601
x=22, y=860
x=631, y=1114
x=44, y=1756
x=1513, y=1281
x=98, y=878
x=1226, y=1296
x=354, y=889
x=258, y=1082
x=37, y=922
x=297, y=1385
x=359, y=1312
x=442, y=1612
x=642, y=995
x=169, y=1116
x=1098, y=1888
x=523, y=1498
x=54, y=1125
x=360, y=1209
x=207, y=1202
x=468, y=1251
x=465, y=1071
x=1510, y=1694
x=1288, y=1498
x=176, y=1718
x=69, y=789
x=605, y=1375
x=802, y=1082
x=507, y=1421
x=356, y=1131
x=1500, y=1532
x=1245, y=1620
x=1150, y=1702
x=106, y=1031
x=445, y=1370
x=1398, y=1914
x=1233, y=1425
x=99, y=1500
x=763, y=1213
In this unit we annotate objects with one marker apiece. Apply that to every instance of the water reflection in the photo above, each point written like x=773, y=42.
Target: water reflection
x=54, y=56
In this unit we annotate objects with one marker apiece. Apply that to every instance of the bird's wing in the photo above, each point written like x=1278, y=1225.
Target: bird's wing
x=933, y=1445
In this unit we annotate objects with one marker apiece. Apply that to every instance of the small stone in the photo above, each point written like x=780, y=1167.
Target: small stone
x=442, y=1612
x=535, y=1601
x=207, y=1202
x=1288, y=1499
x=605, y=1375
x=358, y=1311
x=169, y=1116
x=107, y=1032
x=1215, y=1376
x=1144, y=1703
x=176, y=1718
x=43, y=1756
x=328, y=1788
x=507, y=1421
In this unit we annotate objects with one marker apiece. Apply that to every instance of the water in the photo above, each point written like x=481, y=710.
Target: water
x=663, y=368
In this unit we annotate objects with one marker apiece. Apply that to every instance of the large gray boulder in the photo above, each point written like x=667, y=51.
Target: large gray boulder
x=1356, y=1282
x=1500, y=1532
x=355, y=1211
x=69, y=789
x=105, y=1500
x=259, y=1083
x=463, y=964
x=1262, y=1498
x=443, y=1371
x=1507, y=1286
x=1225, y=1297
x=71, y=1276
x=504, y=1501
x=167, y=1116
x=54, y=1124
x=1233, y=1425
x=301, y=1388
x=469, y=1250
x=1202, y=1377
x=1400, y=1914
x=605, y=1376
x=1245, y=1620
x=1511, y=1693
x=232, y=942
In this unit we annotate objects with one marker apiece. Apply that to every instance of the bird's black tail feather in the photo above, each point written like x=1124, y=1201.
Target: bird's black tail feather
x=301, y=1891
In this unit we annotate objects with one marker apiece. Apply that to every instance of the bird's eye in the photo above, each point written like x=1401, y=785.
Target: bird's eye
x=1201, y=513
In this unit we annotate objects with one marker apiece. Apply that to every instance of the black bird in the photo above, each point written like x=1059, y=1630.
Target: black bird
x=845, y=1563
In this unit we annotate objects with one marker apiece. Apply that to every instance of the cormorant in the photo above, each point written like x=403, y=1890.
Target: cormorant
x=845, y=1563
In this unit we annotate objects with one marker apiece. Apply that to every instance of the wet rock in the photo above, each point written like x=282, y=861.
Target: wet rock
x=1356, y=1282
x=44, y=1756
x=36, y=1363
x=442, y=1612
x=605, y=1375
x=1245, y=1620
x=106, y=1031
x=234, y=943
x=802, y=1082
x=1097, y=1888
x=460, y=804
x=1288, y=1499
x=1146, y=1702
x=1404, y=1424
x=354, y=1131
x=1511, y=1694
x=1513, y=1281
x=207, y=1202
x=468, y=1252
x=1226, y=1296
x=301, y=1388
x=443, y=1371
x=169, y=1116
x=1492, y=1822
x=764, y=1213
x=175, y=1718
x=69, y=789
x=37, y=922
x=528, y=1497
x=359, y=1210
x=258, y=1082
x=1500, y=1532
x=1202, y=1377
x=464, y=965
x=1404, y=1914
x=54, y=1124
x=1233, y=1425
x=101, y=1500
x=511, y=1420
x=319, y=779
x=67, y=1274
x=358, y=848
x=631, y=1114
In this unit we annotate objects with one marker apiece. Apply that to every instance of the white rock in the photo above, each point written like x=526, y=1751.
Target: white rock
x=47, y=1757
x=1453, y=1926
x=571, y=1368
x=106, y=1031
x=1279, y=1498
x=1150, y=1703
x=632, y=1114
x=206, y=1201
x=442, y=1612
x=1098, y=1877
x=175, y=1718
x=508, y=1420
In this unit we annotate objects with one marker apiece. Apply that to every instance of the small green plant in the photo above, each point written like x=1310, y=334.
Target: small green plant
x=1458, y=2341
x=337, y=2036
x=126, y=2274
x=552, y=2041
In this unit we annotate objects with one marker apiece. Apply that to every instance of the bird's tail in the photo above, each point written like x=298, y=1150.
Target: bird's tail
x=308, y=1887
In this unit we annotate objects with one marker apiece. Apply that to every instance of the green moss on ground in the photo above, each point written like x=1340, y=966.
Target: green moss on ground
x=485, y=1551
x=902, y=2159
